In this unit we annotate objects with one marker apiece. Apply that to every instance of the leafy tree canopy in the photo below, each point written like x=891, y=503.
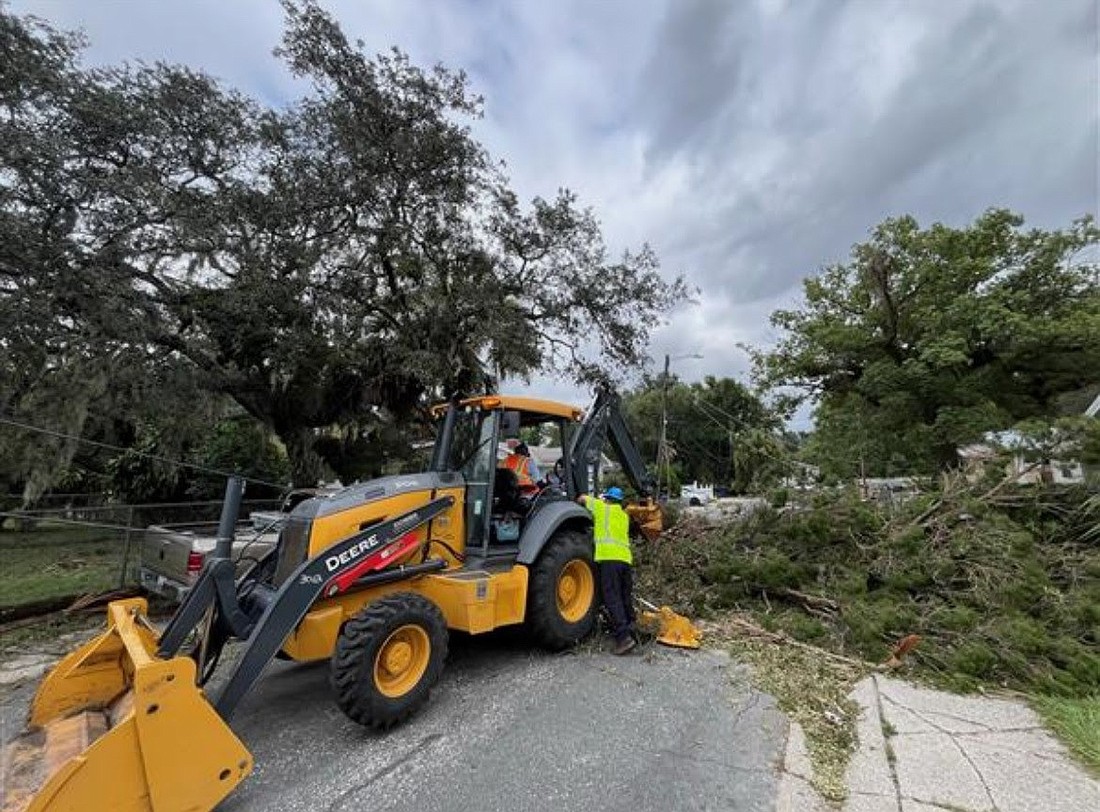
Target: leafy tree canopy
x=327, y=265
x=929, y=337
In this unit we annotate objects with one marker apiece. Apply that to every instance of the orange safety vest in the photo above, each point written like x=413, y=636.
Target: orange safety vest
x=520, y=465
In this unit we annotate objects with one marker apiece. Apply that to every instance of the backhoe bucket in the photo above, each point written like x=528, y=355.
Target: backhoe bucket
x=671, y=628
x=114, y=728
x=647, y=518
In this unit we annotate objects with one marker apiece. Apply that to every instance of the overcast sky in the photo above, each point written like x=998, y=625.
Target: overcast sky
x=749, y=142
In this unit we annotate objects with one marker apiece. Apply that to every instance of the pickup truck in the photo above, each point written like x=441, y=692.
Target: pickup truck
x=172, y=557
x=696, y=495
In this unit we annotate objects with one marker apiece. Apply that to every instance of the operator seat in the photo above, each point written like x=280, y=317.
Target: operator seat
x=507, y=497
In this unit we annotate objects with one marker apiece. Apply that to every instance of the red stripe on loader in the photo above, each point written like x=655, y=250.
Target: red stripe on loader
x=378, y=561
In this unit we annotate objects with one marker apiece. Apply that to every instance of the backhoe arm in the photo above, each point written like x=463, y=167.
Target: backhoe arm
x=604, y=422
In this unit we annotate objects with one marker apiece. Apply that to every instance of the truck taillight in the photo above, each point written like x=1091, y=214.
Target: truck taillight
x=194, y=564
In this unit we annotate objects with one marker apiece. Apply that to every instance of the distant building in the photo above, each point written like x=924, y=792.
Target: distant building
x=803, y=476
x=887, y=489
x=977, y=456
x=545, y=456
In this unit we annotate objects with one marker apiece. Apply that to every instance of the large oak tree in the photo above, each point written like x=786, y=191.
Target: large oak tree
x=329, y=264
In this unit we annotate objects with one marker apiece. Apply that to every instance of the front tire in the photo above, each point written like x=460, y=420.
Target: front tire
x=561, y=600
x=387, y=659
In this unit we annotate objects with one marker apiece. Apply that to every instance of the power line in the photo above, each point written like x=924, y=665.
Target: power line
x=708, y=409
x=9, y=514
x=178, y=463
x=39, y=518
x=120, y=506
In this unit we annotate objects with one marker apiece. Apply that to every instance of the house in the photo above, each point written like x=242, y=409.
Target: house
x=545, y=456
x=803, y=476
x=888, y=489
x=976, y=456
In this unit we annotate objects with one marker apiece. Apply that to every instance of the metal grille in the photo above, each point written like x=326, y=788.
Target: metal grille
x=293, y=547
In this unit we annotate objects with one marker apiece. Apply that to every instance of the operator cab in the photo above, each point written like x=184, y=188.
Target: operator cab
x=476, y=435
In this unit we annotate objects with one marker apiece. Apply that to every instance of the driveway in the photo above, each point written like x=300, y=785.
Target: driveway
x=512, y=728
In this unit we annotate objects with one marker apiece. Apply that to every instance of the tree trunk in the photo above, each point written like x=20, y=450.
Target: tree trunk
x=947, y=456
x=307, y=469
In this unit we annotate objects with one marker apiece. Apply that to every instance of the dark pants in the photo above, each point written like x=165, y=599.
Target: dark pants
x=617, y=589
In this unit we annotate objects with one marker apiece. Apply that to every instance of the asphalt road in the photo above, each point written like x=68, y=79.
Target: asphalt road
x=509, y=727
x=512, y=728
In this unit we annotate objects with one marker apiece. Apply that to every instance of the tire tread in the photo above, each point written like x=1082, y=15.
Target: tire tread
x=352, y=662
x=544, y=621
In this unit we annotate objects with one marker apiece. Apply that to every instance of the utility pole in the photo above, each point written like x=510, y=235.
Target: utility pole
x=663, y=457
x=662, y=451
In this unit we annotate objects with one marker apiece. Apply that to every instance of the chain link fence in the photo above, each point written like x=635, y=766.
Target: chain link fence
x=79, y=544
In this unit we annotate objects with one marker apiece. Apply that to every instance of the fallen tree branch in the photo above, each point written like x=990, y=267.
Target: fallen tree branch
x=814, y=604
x=98, y=599
x=948, y=495
x=746, y=628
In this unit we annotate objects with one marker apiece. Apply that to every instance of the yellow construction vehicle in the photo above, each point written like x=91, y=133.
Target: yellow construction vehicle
x=370, y=578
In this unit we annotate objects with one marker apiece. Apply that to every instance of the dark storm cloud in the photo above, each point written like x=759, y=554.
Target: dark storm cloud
x=692, y=72
x=980, y=105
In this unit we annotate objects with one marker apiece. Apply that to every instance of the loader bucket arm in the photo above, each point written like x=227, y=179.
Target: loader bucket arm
x=302, y=589
x=121, y=725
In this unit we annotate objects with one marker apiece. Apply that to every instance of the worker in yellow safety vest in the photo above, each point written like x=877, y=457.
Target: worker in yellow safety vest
x=520, y=463
x=611, y=530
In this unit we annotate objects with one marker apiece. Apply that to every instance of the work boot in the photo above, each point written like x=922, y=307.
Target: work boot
x=624, y=646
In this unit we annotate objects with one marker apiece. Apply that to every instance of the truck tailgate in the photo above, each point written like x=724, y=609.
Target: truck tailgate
x=165, y=550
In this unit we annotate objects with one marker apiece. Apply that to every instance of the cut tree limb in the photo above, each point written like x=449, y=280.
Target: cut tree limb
x=814, y=604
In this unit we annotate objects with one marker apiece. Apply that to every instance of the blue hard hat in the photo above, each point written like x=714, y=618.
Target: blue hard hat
x=614, y=493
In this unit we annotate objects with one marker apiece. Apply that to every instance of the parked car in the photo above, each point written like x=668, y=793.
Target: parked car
x=173, y=557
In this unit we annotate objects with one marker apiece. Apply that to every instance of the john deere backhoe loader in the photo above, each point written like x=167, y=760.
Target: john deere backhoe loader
x=371, y=578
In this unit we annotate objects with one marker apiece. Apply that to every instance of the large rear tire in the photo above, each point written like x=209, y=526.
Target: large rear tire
x=562, y=596
x=387, y=659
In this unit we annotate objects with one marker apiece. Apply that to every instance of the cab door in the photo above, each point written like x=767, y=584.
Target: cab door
x=473, y=454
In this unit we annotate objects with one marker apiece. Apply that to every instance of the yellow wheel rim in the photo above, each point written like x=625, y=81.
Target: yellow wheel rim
x=576, y=590
x=402, y=660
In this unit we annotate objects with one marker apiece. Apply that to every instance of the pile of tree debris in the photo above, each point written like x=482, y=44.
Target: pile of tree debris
x=977, y=587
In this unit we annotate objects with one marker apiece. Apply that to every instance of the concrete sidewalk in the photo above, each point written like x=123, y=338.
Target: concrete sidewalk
x=922, y=750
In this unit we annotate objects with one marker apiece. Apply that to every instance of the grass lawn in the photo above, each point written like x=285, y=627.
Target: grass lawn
x=52, y=562
x=1077, y=723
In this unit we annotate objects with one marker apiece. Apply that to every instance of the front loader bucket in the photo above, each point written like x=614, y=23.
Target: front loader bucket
x=114, y=728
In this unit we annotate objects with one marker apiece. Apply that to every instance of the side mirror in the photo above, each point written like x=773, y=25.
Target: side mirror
x=509, y=425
